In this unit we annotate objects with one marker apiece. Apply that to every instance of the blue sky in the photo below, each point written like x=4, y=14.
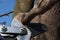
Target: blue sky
x=6, y=6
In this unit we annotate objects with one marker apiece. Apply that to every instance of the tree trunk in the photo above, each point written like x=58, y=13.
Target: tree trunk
x=51, y=19
x=23, y=6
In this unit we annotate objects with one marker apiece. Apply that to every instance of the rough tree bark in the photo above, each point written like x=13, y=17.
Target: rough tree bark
x=51, y=19
x=51, y=16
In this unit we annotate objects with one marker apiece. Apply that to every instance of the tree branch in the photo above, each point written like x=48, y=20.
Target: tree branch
x=6, y=14
x=44, y=6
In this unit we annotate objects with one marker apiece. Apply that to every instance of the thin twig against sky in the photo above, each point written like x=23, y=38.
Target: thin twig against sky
x=6, y=14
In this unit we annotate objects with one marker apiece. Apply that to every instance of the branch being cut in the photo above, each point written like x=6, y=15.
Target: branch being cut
x=43, y=7
x=6, y=14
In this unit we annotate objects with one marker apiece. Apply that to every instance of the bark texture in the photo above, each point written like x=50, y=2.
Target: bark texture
x=52, y=20
x=50, y=17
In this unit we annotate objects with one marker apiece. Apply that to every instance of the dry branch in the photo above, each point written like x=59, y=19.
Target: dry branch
x=6, y=14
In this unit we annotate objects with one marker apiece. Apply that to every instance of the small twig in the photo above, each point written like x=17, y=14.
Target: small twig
x=6, y=14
